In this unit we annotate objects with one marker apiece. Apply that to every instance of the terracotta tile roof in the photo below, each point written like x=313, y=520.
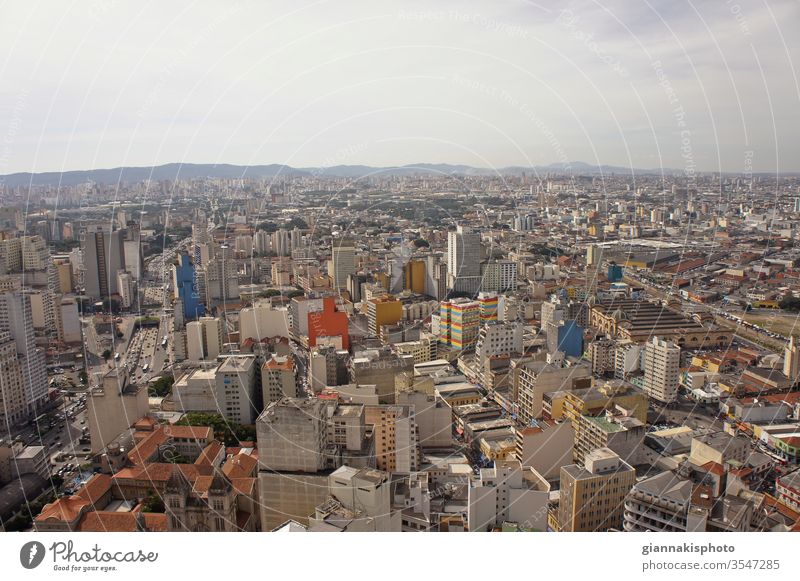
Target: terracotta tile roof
x=239, y=466
x=65, y=509
x=286, y=364
x=121, y=522
x=95, y=488
x=244, y=486
x=147, y=448
x=145, y=424
x=209, y=453
x=156, y=472
x=773, y=502
x=714, y=468
x=189, y=432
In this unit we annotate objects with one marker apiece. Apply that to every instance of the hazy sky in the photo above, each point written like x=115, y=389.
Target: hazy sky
x=645, y=83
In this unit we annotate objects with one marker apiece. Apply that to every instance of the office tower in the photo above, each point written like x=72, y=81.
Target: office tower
x=278, y=379
x=791, y=361
x=15, y=406
x=459, y=323
x=464, y=255
x=134, y=257
x=221, y=278
x=343, y=261
x=16, y=320
x=662, y=370
x=103, y=257
x=592, y=496
x=360, y=501
x=184, y=284
x=126, y=288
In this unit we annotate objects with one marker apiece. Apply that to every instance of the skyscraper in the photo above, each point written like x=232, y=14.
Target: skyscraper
x=661, y=370
x=343, y=261
x=464, y=260
x=16, y=324
x=103, y=256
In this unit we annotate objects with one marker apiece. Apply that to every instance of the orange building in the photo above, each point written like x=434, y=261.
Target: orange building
x=328, y=323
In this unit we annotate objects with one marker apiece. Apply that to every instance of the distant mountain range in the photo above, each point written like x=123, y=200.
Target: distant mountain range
x=173, y=171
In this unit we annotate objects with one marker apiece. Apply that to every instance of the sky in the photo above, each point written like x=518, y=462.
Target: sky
x=693, y=86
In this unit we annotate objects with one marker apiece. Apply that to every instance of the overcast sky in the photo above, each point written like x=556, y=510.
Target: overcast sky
x=645, y=83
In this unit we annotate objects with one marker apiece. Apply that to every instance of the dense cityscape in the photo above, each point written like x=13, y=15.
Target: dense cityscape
x=422, y=348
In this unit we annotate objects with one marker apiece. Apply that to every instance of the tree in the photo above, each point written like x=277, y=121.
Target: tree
x=107, y=354
x=230, y=433
x=83, y=377
x=420, y=243
x=790, y=303
x=153, y=503
x=161, y=387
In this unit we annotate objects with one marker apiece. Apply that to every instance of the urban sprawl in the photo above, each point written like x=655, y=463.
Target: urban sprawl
x=403, y=351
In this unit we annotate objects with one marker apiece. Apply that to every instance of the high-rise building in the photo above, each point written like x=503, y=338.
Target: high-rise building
x=235, y=378
x=278, y=379
x=103, y=256
x=459, y=323
x=343, y=260
x=16, y=320
x=662, y=361
x=385, y=310
x=592, y=495
x=184, y=284
x=499, y=276
x=204, y=338
x=791, y=361
x=14, y=402
x=498, y=339
x=464, y=255
x=126, y=288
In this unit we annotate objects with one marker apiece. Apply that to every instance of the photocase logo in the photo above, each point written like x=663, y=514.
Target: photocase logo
x=31, y=554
